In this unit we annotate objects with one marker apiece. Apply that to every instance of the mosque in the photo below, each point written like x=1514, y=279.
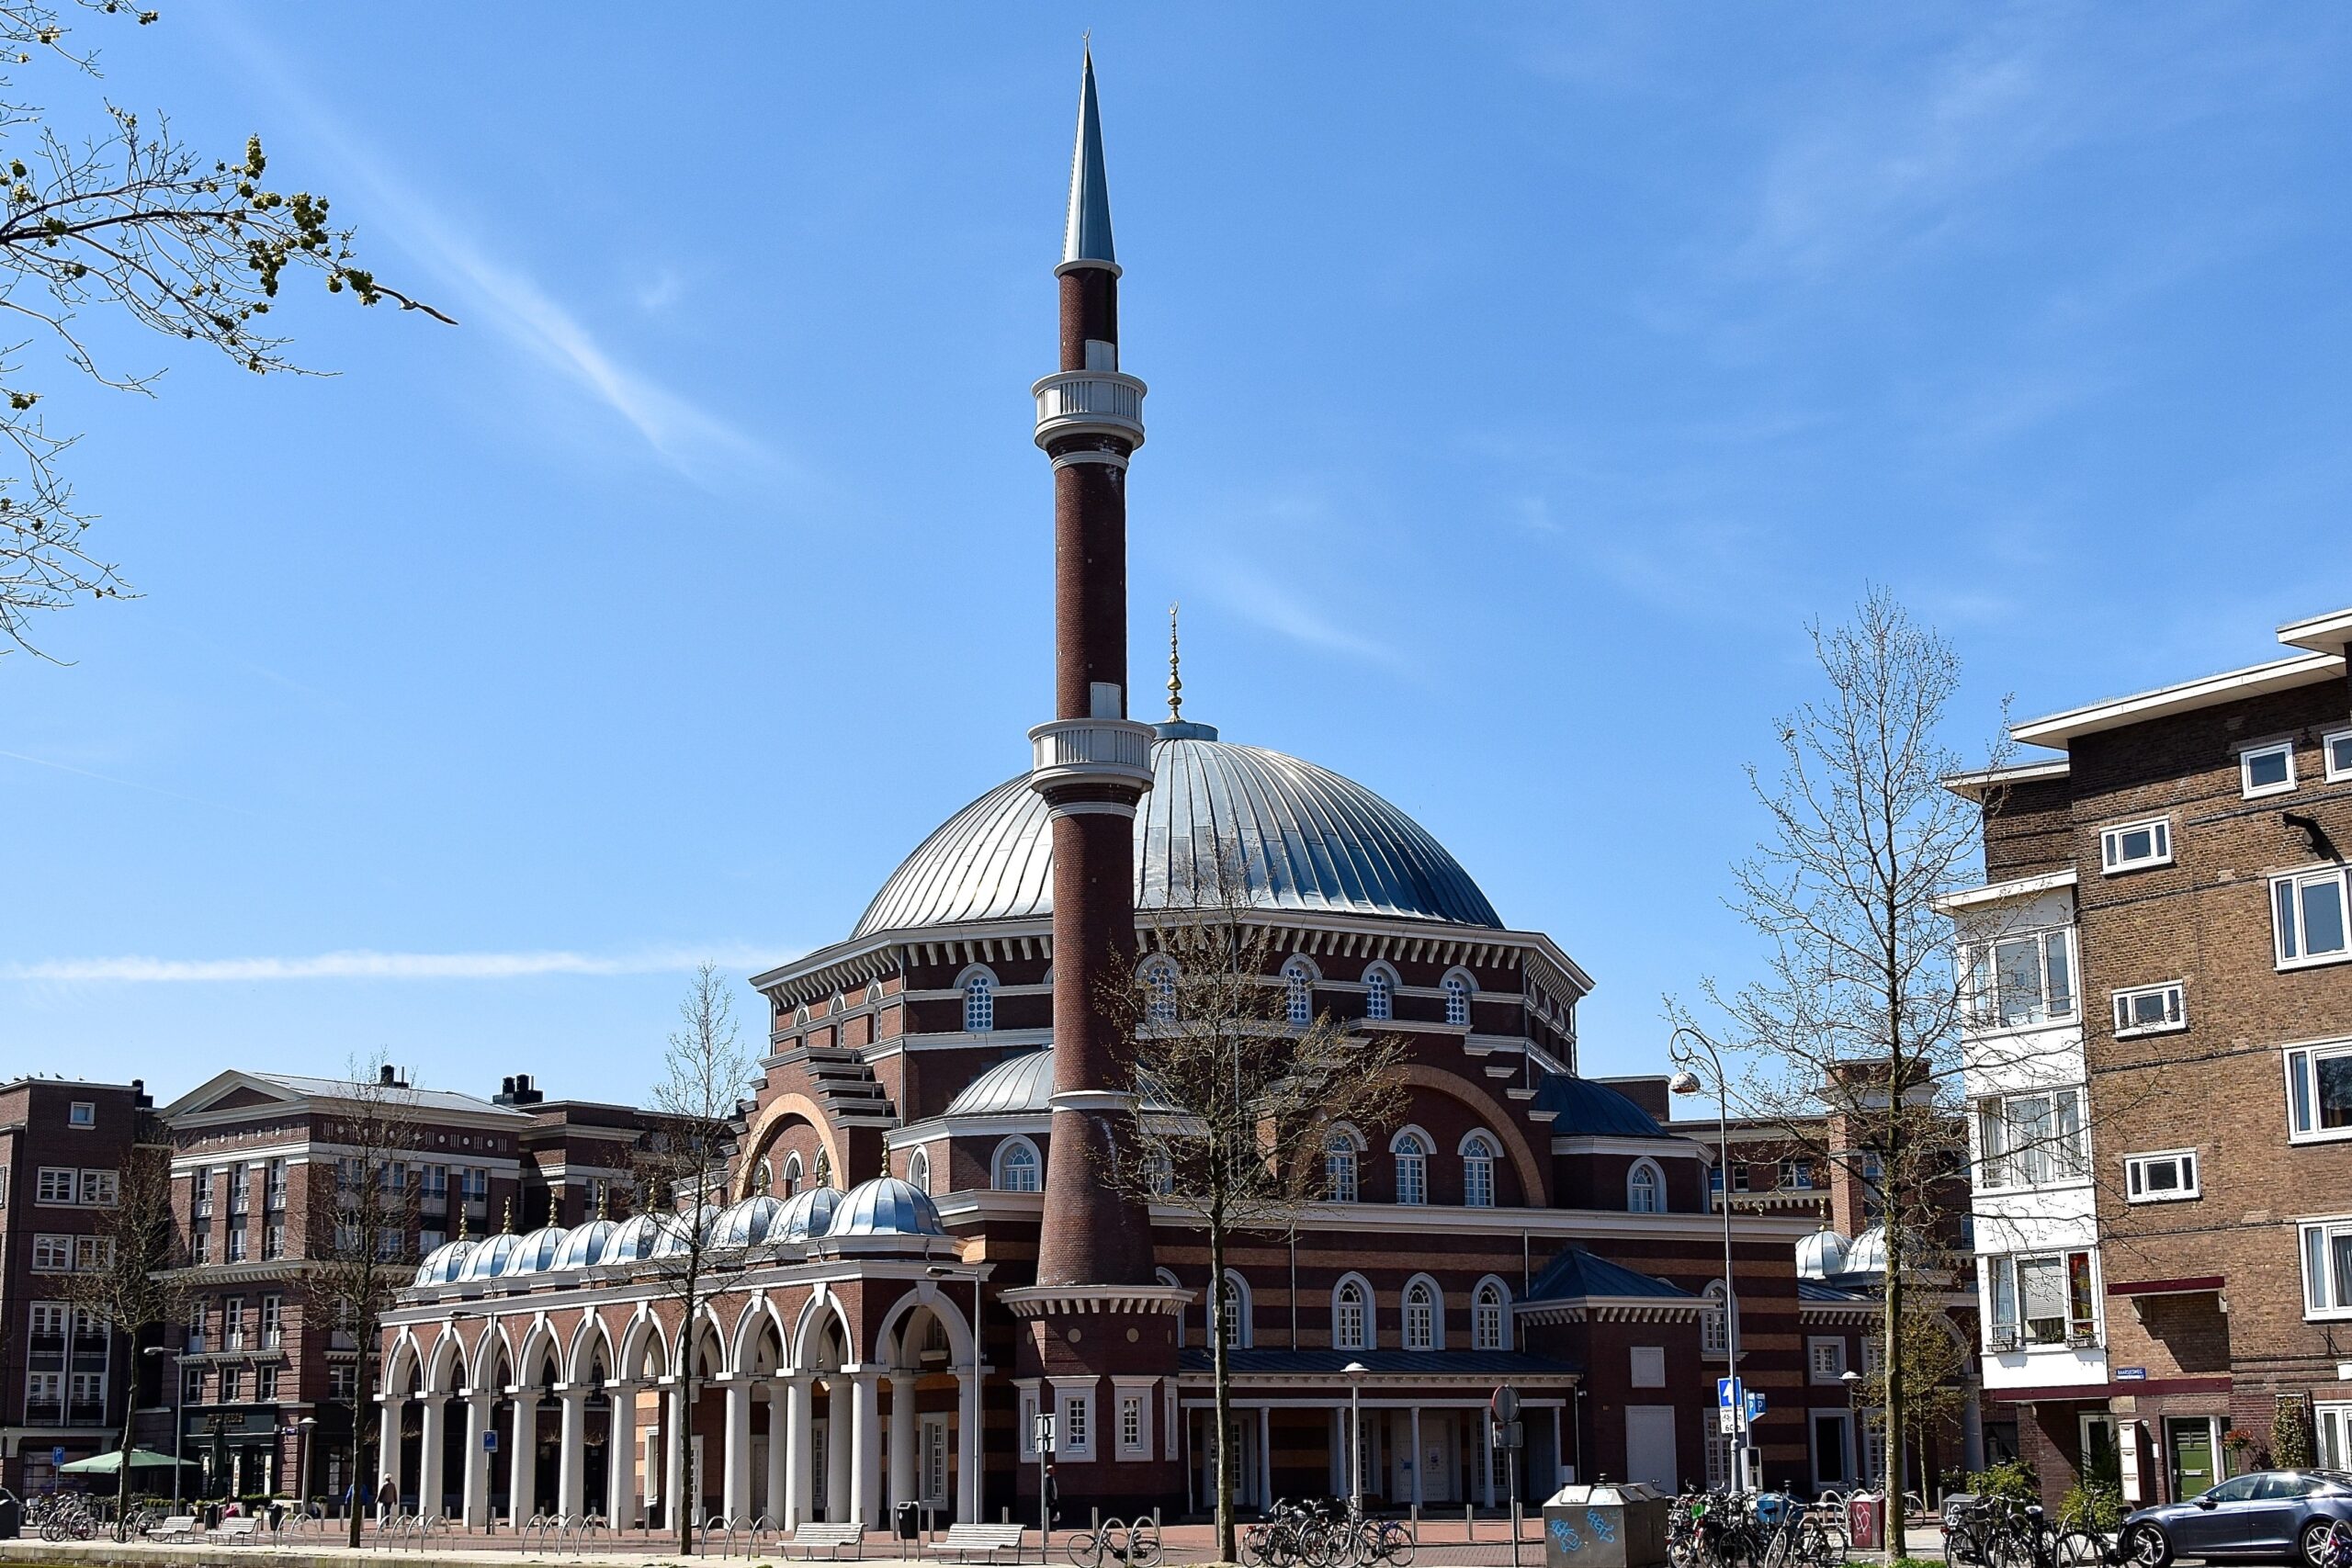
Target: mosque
x=883, y=1338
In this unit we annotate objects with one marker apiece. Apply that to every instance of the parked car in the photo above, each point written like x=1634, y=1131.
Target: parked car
x=2264, y=1516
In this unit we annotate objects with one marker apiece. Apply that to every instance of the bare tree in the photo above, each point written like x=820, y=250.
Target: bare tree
x=1237, y=1096
x=361, y=1250
x=683, y=1163
x=125, y=217
x=133, y=1287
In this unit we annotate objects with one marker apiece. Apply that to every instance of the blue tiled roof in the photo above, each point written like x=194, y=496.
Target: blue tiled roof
x=1815, y=1291
x=1582, y=1108
x=1577, y=1273
x=1428, y=1363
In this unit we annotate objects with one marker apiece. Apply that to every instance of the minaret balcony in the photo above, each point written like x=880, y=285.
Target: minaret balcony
x=1089, y=402
x=1091, y=750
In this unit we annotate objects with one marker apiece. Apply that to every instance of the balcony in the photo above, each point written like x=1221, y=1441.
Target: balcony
x=1089, y=402
x=1091, y=750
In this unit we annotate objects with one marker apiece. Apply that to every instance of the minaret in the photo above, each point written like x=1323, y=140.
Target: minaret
x=1091, y=764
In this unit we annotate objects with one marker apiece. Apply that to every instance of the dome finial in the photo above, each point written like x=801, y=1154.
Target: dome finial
x=603, y=1198
x=506, y=1218
x=461, y=1220
x=1175, y=672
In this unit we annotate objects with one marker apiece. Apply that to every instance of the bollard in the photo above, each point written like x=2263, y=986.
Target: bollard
x=1469, y=1521
x=1094, y=1519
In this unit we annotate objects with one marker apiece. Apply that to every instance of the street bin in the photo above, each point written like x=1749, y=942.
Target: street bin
x=906, y=1521
x=1607, y=1524
x=1866, y=1521
x=12, y=1518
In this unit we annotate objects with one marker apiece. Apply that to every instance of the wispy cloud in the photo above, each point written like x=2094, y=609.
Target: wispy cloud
x=363, y=965
x=124, y=784
x=1263, y=603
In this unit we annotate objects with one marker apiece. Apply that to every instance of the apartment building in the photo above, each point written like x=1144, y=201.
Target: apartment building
x=2161, y=1054
x=63, y=1376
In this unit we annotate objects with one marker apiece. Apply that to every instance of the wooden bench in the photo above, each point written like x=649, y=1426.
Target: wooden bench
x=231, y=1530
x=964, y=1539
x=828, y=1538
x=179, y=1526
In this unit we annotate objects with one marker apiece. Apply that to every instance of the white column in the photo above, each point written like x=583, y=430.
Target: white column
x=477, y=1483
x=1486, y=1460
x=521, y=1471
x=1420, y=1458
x=903, y=1485
x=387, y=1448
x=967, y=1446
x=429, y=1467
x=572, y=1452
x=837, y=1442
x=673, y=1481
x=772, y=1495
x=799, y=1490
x=736, y=1466
x=865, y=1472
x=620, y=1458
x=1265, y=1455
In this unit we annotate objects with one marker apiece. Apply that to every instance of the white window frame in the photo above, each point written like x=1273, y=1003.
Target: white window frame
x=2007, y=1269
x=2332, y=1426
x=1030, y=1406
x=1633, y=1184
x=1367, y=1336
x=2136, y=1188
x=1138, y=1390
x=1379, y=993
x=1300, y=979
x=1012, y=1145
x=82, y=1113
x=2248, y=753
x=1160, y=976
x=1645, y=1366
x=2111, y=861
x=52, y=1254
x=1425, y=1337
x=1235, y=1299
x=2327, y=1302
x=1479, y=1156
x=1459, y=988
x=1825, y=1360
x=2303, y=1091
x=1714, y=1320
x=2293, y=932
x=2172, y=994
x=2334, y=770
x=918, y=1170
x=101, y=1188
x=976, y=989
x=1074, y=1422
x=1343, y=1165
x=1411, y=1150
x=1986, y=1006
x=2063, y=1158
x=1490, y=1303
x=54, y=1185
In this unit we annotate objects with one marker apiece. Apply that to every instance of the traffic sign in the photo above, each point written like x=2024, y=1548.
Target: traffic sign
x=490, y=1439
x=57, y=1457
x=1727, y=1394
x=1045, y=1432
x=1505, y=1403
x=1755, y=1405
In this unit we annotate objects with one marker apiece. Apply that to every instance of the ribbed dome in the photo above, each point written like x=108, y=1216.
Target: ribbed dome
x=638, y=1238
x=535, y=1252
x=1823, y=1254
x=1868, y=1253
x=1019, y=1086
x=1307, y=840
x=583, y=1245
x=445, y=1264
x=489, y=1255
x=746, y=1224
x=675, y=1241
x=886, y=1206
x=806, y=1214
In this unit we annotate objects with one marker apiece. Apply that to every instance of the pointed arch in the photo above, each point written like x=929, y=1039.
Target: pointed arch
x=645, y=1349
x=580, y=1358
x=928, y=1297
x=822, y=1312
x=493, y=1350
x=406, y=1363
x=541, y=1349
x=445, y=1358
x=759, y=1326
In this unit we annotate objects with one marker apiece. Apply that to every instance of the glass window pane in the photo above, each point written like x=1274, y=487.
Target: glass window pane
x=2062, y=977
x=2323, y=916
x=2314, y=1268
x=2068, y=1148
x=2079, y=1290
x=2162, y=1175
x=2283, y=915
x=2264, y=769
x=2299, y=1079
x=2339, y=1250
x=2019, y=964
x=2339, y=754
x=2334, y=1091
x=2043, y=1286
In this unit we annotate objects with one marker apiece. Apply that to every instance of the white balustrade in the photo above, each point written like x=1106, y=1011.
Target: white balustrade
x=1089, y=402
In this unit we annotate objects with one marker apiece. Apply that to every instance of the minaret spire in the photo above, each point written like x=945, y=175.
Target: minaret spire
x=1175, y=672
x=1086, y=236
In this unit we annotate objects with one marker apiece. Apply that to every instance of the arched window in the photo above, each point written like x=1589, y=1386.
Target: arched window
x=824, y=1168
x=1645, y=1188
x=980, y=1001
x=1421, y=1319
x=792, y=1174
x=1168, y=1277
x=1016, y=1166
x=1457, y=1000
x=1340, y=1179
x=1298, y=992
x=1233, y=1301
x=1412, y=1152
x=918, y=1171
x=1163, y=1175
x=1714, y=1338
x=1487, y=1315
x=1160, y=991
x=1478, y=1172
x=1352, y=1315
x=1379, y=994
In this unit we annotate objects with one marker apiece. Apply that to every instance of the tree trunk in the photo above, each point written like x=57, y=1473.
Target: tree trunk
x=123, y=1448
x=1225, y=1551
x=1891, y=1326
x=690, y=1488
x=362, y=1380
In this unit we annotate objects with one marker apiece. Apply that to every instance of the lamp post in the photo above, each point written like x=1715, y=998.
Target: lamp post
x=1685, y=1081
x=1854, y=1381
x=179, y=1412
x=303, y=1429
x=1356, y=1371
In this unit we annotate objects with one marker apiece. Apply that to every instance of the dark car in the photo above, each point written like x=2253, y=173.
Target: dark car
x=2266, y=1516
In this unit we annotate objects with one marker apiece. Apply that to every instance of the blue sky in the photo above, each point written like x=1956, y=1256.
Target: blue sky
x=1522, y=380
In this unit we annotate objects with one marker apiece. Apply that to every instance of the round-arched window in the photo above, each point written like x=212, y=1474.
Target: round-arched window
x=979, y=1002
x=1479, y=1172
x=1487, y=1318
x=1645, y=1188
x=1412, y=1168
x=1457, y=1000
x=1016, y=1166
x=1298, y=992
x=1350, y=1318
x=1379, y=994
x=918, y=1171
x=1420, y=1316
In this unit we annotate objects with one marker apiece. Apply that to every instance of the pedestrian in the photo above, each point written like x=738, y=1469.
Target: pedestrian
x=388, y=1499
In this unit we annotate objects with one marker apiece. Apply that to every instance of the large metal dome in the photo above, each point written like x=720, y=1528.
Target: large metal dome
x=1307, y=840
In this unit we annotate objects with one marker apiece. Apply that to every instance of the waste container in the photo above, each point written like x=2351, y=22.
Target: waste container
x=12, y=1518
x=1606, y=1525
x=906, y=1521
x=1866, y=1521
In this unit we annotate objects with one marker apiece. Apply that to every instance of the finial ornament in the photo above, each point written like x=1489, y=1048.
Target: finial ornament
x=506, y=1218
x=604, y=1201
x=1175, y=672
x=461, y=1219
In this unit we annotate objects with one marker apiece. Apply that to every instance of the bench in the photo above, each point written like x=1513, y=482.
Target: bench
x=231, y=1530
x=829, y=1538
x=964, y=1539
x=179, y=1526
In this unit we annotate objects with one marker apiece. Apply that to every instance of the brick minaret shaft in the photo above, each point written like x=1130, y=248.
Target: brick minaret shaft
x=1091, y=764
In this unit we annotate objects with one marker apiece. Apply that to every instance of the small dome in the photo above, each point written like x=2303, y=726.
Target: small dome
x=1821, y=1255
x=807, y=1213
x=583, y=1245
x=886, y=1206
x=746, y=1224
x=534, y=1253
x=636, y=1239
x=489, y=1255
x=445, y=1264
x=1020, y=1086
x=674, y=1239
x=1868, y=1253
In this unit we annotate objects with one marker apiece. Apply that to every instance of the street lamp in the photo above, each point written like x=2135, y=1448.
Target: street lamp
x=179, y=1400
x=302, y=1460
x=1685, y=1081
x=1854, y=1381
x=1356, y=1371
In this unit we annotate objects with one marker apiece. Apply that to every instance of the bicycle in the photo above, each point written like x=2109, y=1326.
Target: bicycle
x=1136, y=1545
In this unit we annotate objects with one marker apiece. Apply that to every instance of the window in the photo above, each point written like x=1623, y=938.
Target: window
x=1645, y=1189
x=1420, y=1315
x=82, y=1113
x=1016, y=1166
x=241, y=1188
x=233, y=1324
x=2267, y=769
x=1412, y=1152
x=2019, y=981
x=192, y=1385
x=1298, y=992
x=1130, y=1423
x=979, y=1002
x=92, y=1252
x=791, y=1175
x=2150, y=1010
x=278, y=1182
x=1486, y=1318
x=2319, y=1092
x=232, y=1385
x=1742, y=1179
x=2042, y=1300
x=200, y=1247
x=1457, y=1000
x=1339, y=1169
x=2307, y=912
x=1159, y=992
x=44, y=1389
x=2338, y=749
x=271, y=1321
x=49, y=1321
x=195, y=1345
x=823, y=1174
x=1648, y=1366
x=476, y=1185
x=1379, y=994
x=1825, y=1360
x=236, y=1244
x=2160, y=1179
x=1076, y=1439
x=1479, y=1172
x=1350, y=1317
x=54, y=1185
x=1028, y=1428
x=2135, y=844
x=343, y=1380
x=918, y=1171
x=2029, y=1140
x=1233, y=1304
